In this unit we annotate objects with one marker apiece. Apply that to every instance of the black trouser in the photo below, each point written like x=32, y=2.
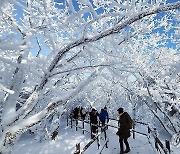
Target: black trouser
x=125, y=142
x=103, y=126
x=83, y=117
x=93, y=129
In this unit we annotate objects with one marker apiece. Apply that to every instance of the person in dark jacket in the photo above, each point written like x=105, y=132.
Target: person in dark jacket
x=93, y=121
x=76, y=113
x=124, y=130
x=104, y=116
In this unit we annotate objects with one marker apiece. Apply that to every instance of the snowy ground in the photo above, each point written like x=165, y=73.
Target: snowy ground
x=65, y=144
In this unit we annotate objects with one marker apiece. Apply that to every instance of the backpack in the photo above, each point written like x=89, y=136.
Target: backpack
x=130, y=122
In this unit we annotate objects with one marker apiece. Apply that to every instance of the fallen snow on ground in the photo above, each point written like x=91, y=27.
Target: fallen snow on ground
x=68, y=137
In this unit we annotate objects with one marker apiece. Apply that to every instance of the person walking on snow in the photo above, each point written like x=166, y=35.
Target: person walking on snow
x=76, y=113
x=94, y=122
x=104, y=116
x=123, y=132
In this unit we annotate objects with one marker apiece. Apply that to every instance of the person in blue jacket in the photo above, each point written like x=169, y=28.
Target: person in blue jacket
x=104, y=116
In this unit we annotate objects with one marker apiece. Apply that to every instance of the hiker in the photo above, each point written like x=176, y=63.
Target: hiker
x=104, y=116
x=76, y=113
x=83, y=113
x=123, y=132
x=94, y=121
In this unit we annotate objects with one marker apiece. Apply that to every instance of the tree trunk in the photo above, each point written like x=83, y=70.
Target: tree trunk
x=7, y=143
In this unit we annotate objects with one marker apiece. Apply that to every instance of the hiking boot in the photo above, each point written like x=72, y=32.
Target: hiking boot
x=121, y=152
x=127, y=150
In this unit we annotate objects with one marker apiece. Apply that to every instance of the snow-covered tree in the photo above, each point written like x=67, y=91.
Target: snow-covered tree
x=50, y=51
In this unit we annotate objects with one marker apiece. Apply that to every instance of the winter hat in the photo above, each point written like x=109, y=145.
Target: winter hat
x=120, y=110
x=93, y=109
x=105, y=108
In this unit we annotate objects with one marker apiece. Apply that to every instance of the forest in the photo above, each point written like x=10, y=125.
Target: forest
x=59, y=54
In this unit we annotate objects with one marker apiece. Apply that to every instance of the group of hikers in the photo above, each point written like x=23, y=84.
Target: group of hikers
x=125, y=123
x=103, y=118
x=79, y=112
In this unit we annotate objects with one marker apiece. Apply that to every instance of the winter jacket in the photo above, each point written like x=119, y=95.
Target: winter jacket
x=93, y=117
x=76, y=113
x=103, y=116
x=124, y=130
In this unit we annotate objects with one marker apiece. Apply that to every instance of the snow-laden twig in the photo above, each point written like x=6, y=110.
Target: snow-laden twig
x=6, y=89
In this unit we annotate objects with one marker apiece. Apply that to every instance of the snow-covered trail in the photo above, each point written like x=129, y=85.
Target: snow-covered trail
x=65, y=144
